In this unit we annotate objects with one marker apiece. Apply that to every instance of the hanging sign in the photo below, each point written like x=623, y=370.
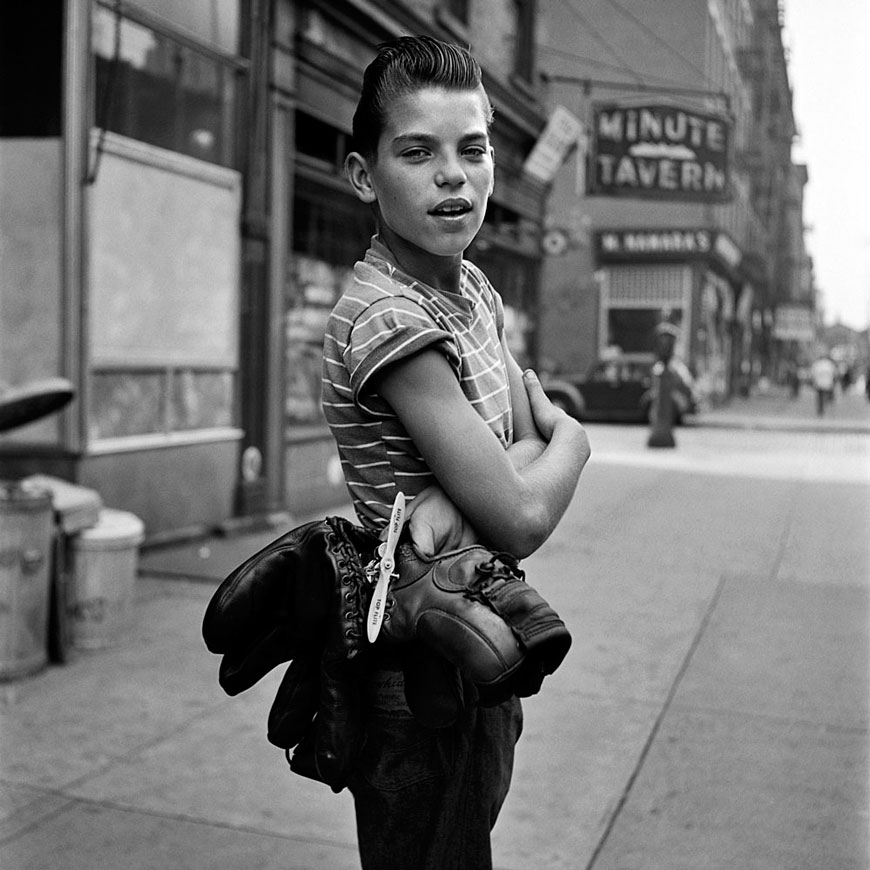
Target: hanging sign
x=562, y=132
x=659, y=152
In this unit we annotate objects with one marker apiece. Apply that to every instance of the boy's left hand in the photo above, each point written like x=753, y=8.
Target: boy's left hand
x=436, y=524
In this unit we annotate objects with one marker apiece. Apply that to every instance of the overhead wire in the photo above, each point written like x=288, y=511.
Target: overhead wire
x=659, y=39
x=569, y=55
x=624, y=66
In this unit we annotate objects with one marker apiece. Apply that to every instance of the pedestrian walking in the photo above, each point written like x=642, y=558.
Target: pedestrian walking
x=824, y=377
x=846, y=378
x=793, y=379
x=423, y=398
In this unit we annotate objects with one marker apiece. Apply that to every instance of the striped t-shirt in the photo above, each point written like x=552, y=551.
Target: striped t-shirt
x=383, y=317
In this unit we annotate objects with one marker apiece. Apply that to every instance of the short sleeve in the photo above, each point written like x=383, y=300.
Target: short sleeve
x=498, y=313
x=388, y=331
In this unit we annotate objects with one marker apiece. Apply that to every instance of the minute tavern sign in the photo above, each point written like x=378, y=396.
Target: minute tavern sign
x=659, y=152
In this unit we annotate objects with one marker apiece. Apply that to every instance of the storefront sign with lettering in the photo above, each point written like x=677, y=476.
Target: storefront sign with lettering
x=794, y=323
x=659, y=152
x=651, y=244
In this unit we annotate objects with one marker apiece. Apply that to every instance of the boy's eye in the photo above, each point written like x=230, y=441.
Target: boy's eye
x=475, y=151
x=415, y=153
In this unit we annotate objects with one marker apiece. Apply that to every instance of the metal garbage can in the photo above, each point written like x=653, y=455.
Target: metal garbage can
x=26, y=529
x=75, y=508
x=104, y=564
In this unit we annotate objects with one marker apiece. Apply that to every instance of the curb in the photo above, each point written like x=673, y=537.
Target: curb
x=780, y=424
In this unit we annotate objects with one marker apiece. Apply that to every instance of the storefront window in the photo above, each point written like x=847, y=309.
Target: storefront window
x=331, y=232
x=31, y=51
x=215, y=22
x=632, y=330
x=125, y=403
x=159, y=90
x=514, y=279
x=130, y=402
x=201, y=399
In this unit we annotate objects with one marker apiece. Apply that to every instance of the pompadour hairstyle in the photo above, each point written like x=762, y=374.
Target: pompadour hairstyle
x=405, y=65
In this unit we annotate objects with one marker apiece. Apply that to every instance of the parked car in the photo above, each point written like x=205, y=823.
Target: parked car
x=619, y=390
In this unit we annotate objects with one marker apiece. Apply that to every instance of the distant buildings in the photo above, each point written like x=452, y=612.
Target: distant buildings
x=687, y=205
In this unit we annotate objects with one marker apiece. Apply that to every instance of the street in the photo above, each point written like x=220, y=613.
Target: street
x=263, y=261
x=712, y=712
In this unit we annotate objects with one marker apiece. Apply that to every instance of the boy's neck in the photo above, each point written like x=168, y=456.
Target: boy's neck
x=440, y=273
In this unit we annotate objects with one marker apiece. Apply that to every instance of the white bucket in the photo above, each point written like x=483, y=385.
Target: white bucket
x=104, y=564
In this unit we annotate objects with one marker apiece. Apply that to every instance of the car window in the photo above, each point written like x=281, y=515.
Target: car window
x=599, y=373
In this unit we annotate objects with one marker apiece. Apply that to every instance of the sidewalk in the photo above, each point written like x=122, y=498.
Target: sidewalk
x=776, y=410
x=713, y=710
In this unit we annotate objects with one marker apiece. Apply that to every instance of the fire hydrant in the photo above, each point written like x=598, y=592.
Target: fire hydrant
x=662, y=411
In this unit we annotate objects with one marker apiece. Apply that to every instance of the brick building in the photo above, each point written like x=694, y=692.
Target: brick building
x=695, y=214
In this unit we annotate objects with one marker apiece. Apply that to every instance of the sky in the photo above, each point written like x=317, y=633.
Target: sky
x=828, y=44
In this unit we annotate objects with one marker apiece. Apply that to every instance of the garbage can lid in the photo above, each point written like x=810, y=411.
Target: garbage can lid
x=75, y=507
x=23, y=491
x=32, y=401
x=114, y=528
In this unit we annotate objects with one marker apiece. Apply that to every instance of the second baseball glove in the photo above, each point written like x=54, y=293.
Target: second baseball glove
x=473, y=607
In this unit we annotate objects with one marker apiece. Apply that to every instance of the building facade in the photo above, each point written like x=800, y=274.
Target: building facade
x=682, y=202
x=176, y=227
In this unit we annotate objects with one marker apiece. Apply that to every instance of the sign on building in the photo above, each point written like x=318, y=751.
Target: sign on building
x=667, y=244
x=659, y=152
x=562, y=132
x=652, y=244
x=794, y=323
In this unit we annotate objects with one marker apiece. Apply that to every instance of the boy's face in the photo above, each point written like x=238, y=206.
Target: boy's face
x=434, y=172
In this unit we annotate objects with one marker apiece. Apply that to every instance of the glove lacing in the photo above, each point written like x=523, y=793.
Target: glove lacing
x=500, y=567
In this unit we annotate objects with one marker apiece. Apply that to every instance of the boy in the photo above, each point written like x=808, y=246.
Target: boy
x=423, y=397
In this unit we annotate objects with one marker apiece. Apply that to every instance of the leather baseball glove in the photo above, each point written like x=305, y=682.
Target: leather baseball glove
x=303, y=599
x=280, y=602
x=473, y=607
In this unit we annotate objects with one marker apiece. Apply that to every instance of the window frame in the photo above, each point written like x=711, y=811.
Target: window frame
x=523, y=62
x=232, y=66
x=159, y=25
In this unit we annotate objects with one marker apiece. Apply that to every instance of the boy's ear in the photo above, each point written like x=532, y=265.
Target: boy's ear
x=356, y=168
x=492, y=183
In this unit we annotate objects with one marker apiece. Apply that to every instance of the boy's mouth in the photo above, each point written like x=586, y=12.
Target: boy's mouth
x=451, y=208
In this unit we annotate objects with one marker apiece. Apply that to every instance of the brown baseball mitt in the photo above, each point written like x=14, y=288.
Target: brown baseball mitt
x=304, y=598
x=473, y=607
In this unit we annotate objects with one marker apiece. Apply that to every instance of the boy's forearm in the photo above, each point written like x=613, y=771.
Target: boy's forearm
x=556, y=471
x=549, y=482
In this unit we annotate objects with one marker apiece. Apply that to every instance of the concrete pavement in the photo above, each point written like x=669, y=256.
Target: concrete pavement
x=775, y=409
x=712, y=713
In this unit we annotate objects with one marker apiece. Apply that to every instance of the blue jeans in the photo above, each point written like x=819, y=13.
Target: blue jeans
x=427, y=799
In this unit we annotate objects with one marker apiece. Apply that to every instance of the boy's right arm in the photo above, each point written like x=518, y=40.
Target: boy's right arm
x=512, y=509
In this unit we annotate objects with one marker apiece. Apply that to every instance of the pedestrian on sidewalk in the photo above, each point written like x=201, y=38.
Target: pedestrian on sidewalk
x=423, y=397
x=793, y=379
x=824, y=377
